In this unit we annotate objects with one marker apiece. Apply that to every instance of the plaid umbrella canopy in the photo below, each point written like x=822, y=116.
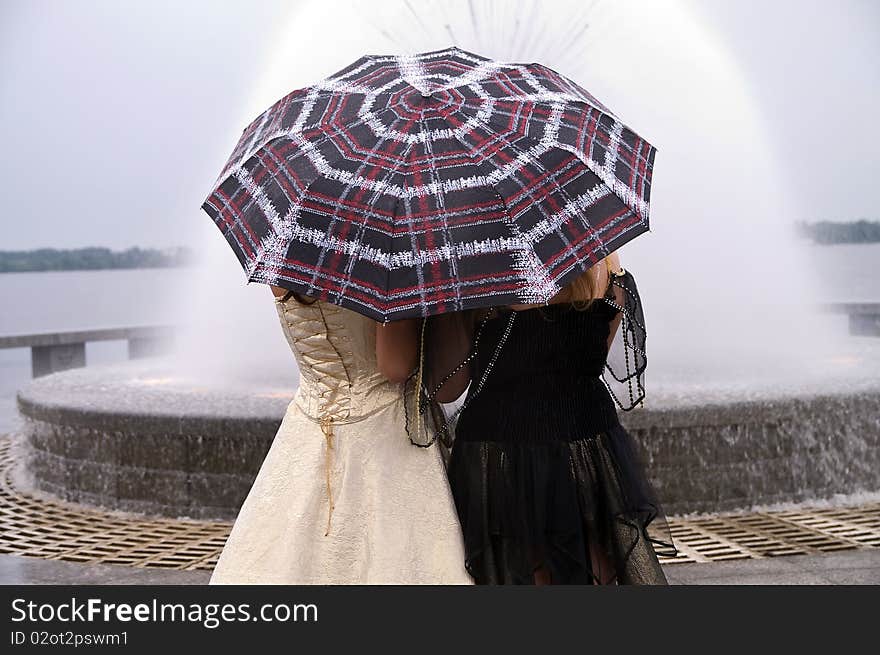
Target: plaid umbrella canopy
x=406, y=186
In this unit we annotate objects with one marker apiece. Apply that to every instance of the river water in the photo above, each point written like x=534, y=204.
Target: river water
x=58, y=301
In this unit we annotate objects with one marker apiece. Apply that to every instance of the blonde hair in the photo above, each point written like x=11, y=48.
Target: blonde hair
x=582, y=291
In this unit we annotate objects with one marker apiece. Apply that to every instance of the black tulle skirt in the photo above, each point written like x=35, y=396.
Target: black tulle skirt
x=561, y=511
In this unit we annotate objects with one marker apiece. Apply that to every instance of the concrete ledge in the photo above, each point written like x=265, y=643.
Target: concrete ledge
x=59, y=351
x=864, y=317
x=137, y=438
x=718, y=457
x=134, y=438
x=83, y=336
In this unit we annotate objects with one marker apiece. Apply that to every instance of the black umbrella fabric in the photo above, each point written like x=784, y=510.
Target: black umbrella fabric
x=407, y=186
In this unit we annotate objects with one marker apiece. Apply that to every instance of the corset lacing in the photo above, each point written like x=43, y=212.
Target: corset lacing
x=327, y=429
x=325, y=417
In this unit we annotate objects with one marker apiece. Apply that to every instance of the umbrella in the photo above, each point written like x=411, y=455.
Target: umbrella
x=406, y=186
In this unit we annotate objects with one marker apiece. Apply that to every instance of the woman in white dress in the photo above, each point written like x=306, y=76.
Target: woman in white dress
x=343, y=496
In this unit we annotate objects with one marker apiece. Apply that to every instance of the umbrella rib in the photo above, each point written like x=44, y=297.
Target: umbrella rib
x=448, y=241
x=613, y=185
x=549, y=105
x=532, y=264
x=389, y=173
x=292, y=134
x=514, y=165
x=532, y=159
x=296, y=202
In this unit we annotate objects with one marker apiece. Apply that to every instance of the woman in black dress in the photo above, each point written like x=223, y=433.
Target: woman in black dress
x=547, y=483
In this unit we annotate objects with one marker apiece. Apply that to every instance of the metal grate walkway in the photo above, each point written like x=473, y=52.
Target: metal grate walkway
x=53, y=529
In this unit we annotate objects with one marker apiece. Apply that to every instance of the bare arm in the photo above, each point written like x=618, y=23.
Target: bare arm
x=457, y=330
x=397, y=348
x=454, y=386
x=278, y=292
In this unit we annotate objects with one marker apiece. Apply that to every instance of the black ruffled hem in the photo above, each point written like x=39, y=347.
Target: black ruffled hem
x=573, y=511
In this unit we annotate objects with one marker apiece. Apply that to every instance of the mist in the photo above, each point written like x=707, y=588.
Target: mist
x=117, y=118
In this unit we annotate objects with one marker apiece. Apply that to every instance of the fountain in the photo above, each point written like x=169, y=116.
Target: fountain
x=753, y=398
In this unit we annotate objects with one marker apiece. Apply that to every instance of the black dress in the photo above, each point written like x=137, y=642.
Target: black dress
x=546, y=481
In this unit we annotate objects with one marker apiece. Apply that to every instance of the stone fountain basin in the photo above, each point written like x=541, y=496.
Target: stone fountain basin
x=711, y=452
x=136, y=437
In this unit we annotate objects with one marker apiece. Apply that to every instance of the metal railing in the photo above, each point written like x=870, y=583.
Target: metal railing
x=59, y=351
x=864, y=317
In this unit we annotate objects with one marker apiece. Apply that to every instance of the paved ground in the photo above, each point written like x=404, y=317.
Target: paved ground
x=851, y=567
x=16, y=569
x=848, y=567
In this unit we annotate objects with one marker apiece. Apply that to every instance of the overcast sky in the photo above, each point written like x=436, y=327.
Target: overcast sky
x=814, y=67
x=115, y=116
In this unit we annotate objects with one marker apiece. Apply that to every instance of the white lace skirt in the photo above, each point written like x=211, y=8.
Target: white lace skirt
x=393, y=520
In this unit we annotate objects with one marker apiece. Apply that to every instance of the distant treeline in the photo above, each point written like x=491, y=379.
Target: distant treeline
x=85, y=259
x=828, y=232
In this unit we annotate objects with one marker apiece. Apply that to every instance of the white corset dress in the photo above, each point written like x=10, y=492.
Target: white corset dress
x=343, y=497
